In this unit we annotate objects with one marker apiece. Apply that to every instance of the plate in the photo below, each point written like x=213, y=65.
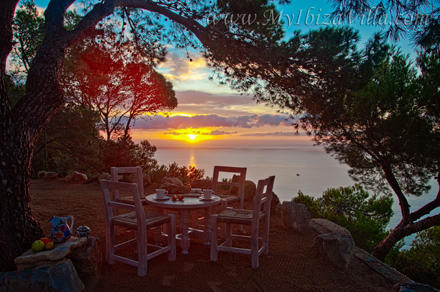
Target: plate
x=205, y=200
x=163, y=199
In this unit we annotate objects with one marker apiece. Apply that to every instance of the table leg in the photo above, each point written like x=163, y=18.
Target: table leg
x=207, y=224
x=184, y=219
x=158, y=230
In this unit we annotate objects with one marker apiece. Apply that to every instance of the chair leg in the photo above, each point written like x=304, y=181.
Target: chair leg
x=254, y=248
x=228, y=234
x=172, y=238
x=110, y=244
x=142, y=254
x=214, y=238
x=265, y=236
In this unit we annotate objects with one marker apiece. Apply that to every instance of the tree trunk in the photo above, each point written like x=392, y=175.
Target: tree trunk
x=402, y=230
x=17, y=226
x=382, y=249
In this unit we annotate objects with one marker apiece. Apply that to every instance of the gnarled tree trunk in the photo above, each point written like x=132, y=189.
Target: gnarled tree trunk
x=20, y=127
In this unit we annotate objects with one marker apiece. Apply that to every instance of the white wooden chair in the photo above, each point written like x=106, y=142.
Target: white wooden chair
x=216, y=182
x=137, y=171
x=226, y=198
x=138, y=220
x=260, y=213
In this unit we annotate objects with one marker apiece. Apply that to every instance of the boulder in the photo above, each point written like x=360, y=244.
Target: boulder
x=295, y=216
x=275, y=202
x=339, y=248
x=250, y=189
x=76, y=176
x=104, y=175
x=31, y=259
x=173, y=180
x=47, y=174
x=60, y=277
x=324, y=226
x=87, y=260
x=201, y=184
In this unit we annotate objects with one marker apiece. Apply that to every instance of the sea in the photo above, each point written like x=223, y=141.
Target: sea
x=304, y=168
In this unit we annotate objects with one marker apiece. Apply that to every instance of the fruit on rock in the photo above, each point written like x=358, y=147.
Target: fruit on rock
x=37, y=246
x=49, y=245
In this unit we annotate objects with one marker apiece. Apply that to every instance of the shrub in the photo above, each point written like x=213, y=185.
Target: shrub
x=185, y=174
x=351, y=207
x=421, y=262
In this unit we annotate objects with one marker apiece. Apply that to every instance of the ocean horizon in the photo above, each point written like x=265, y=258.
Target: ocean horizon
x=304, y=168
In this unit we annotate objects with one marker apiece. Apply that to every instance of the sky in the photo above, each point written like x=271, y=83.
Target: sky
x=211, y=115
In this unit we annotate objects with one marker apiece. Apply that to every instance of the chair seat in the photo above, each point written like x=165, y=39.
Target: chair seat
x=129, y=220
x=238, y=216
x=129, y=200
x=229, y=198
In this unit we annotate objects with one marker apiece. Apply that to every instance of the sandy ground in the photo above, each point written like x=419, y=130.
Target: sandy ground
x=293, y=264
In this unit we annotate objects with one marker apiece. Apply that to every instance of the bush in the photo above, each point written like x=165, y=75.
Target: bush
x=185, y=174
x=421, y=262
x=351, y=207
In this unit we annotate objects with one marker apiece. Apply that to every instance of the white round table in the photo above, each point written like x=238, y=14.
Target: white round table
x=190, y=203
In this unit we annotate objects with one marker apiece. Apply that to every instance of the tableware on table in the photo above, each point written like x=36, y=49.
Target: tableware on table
x=163, y=199
x=207, y=194
x=196, y=191
x=161, y=193
x=202, y=198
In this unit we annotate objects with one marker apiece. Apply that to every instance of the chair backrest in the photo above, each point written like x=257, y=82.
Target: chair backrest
x=263, y=196
x=137, y=170
x=110, y=205
x=241, y=171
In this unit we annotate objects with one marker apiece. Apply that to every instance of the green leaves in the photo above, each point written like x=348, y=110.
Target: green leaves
x=351, y=207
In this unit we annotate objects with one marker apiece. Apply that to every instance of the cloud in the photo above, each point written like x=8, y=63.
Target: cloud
x=211, y=120
x=212, y=133
x=278, y=133
x=219, y=133
x=178, y=67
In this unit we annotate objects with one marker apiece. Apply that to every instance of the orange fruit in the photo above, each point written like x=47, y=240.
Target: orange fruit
x=49, y=245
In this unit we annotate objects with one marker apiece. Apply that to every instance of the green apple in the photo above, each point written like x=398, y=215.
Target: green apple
x=37, y=245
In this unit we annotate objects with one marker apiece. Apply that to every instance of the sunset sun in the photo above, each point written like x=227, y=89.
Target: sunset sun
x=192, y=137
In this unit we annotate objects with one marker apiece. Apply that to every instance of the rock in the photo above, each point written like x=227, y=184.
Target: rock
x=201, y=184
x=47, y=174
x=339, y=248
x=87, y=260
x=275, y=201
x=324, y=226
x=413, y=287
x=295, y=216
x=250, y=189
x=61, y=277
x=31, y=259
x=173, y=180
x=76, y=176
x=104, y=175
